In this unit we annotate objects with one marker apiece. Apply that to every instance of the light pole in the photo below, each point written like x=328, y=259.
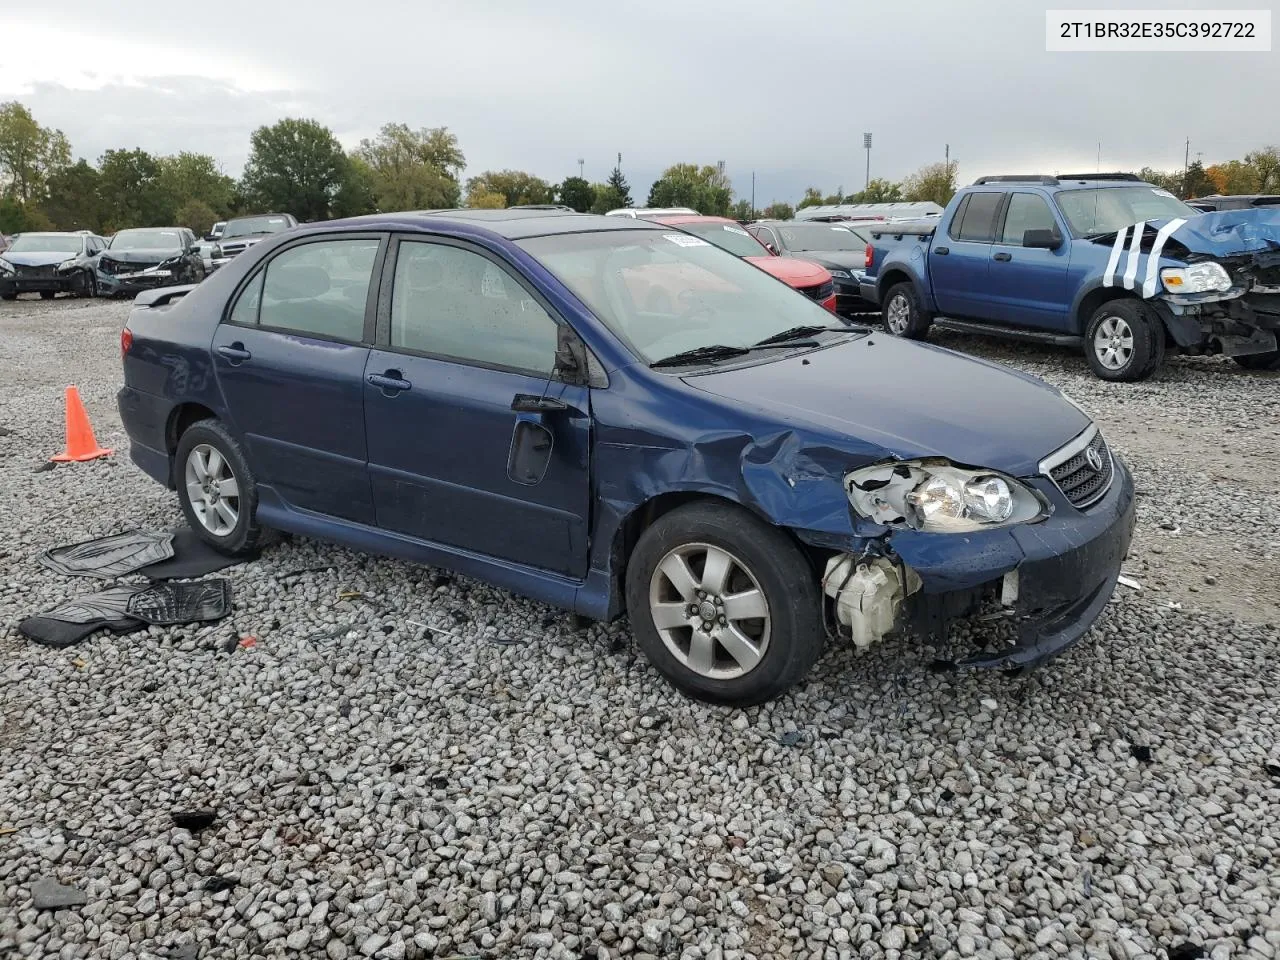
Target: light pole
x=866, y=142
x=581, y=168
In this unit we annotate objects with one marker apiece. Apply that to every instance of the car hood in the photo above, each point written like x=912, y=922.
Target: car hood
x=1224, y=233
x=247, y=239
x=140, y=255
x=797, y=273
x=837, y=259
x=38, y=258
x=910, y=400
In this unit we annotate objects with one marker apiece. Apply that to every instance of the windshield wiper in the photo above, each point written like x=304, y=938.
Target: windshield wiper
x=706, y=354
x=797, y=333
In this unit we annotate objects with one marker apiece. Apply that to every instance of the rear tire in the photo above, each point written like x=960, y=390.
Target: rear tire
x=1260, y=361
x=755, y=633
x=222, y=514
x=8, y=296
x=903, y=314
x=1124, y=341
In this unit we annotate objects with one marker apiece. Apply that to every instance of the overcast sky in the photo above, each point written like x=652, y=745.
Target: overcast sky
x=782, y=87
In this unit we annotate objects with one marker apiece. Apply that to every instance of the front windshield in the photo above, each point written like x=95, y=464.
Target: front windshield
x=798, y=237
x=45, y=243
x=664, y=292
x=1103, y=210
x=146, y=240
x=728, y=236
x=254, y=225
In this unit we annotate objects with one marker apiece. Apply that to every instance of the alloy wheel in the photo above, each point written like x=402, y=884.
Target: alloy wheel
x=710, y=611
x=898, y=315
x=212, y=490
x=1113, y=343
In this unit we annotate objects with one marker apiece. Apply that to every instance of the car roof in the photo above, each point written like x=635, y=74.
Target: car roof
x=675, y=219
x=509, y=224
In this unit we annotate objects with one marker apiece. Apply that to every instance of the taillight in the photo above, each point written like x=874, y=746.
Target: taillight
x=126, y=341
x=868, y=256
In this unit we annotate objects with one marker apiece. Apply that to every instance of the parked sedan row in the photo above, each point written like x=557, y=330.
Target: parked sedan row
x=86, y=265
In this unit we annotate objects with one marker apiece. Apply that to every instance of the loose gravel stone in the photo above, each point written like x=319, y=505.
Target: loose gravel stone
x=389, y=783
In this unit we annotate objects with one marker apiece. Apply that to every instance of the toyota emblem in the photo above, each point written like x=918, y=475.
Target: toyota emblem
x=1094, y=458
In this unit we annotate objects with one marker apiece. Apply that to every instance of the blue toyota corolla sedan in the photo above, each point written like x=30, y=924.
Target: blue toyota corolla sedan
x=616, y=417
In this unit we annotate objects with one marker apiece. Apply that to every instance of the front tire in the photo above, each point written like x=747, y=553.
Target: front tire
x=1260, y=361
x=724, y=605
x=903, y=314
x=1124, y=341
x=216, y=488
x=47, y=294
x=88, y=287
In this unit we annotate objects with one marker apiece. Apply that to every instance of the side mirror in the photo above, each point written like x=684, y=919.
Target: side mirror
x=1042, y=239
x=571, y=357
x=771, y=248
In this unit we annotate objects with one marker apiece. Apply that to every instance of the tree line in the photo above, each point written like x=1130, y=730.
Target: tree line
x=298, y=166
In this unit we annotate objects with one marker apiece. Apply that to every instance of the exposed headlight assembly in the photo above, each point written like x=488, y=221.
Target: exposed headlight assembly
x=841, y=274
x=935, y=496
x=68, y=264
x=1205, y=277
x=6, y=267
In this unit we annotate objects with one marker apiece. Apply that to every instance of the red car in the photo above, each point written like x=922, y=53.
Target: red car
x=811, y=279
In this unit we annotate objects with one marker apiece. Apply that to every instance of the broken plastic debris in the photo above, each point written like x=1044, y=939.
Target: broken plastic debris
x=193, y=820
x=1129, y=582
x=791, y=738
x=248, y=642
x=990, y=704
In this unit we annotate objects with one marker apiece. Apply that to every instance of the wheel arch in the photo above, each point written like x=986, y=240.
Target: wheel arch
x=182, y=416
x=645, y=514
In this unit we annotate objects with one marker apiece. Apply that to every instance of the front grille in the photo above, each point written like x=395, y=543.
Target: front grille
x=819, y=292
x=1083, y=469
x=37, y=273
x=231, y=249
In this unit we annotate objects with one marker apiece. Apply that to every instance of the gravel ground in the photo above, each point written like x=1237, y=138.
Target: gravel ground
x=438, y=769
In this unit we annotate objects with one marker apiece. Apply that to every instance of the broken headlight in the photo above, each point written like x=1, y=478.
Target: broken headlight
x=935, y=496
x=6, y=267
x=1206, y=277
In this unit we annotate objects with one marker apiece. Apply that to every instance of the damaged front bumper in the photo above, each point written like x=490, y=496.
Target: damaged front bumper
x=1054, y=577
x=1242, y=321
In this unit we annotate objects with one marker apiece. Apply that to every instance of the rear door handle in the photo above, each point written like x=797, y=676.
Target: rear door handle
x=235, y=352
x=1003, y=257
x=942, y=251
x=390, y=382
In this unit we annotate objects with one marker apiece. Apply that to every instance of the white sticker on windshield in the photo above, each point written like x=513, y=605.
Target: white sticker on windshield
x=684, y=240
x=736, y=230
x=1163, y=193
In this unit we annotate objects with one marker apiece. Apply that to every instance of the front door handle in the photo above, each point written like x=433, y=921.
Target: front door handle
x=390, y=382
x=235, y=352
x=1003, y=257
x=942, y=251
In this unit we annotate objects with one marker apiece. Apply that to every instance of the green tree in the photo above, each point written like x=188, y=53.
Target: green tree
x=704, y=188
x=934, y=181
x=742, y=212
x=515, y=186
x=1266, y=166
x=295, y=166
x=29, y=153
x=15, y=217
x=480, y=200
x=1167, y=181
x=75, y=198
x=778, y=211
x=413, y=169
x=812, y=198
x=358, y=194
x=577, y=193
x=1196, y=182
x=129, y=184
x=877, y=191
x=197, y=215
x=613, y=194
x=195, y=176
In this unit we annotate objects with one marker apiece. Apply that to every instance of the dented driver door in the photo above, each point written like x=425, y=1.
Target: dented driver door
x=472, y=442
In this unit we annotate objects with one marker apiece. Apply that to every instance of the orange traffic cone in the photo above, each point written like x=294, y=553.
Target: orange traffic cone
x=81, y=443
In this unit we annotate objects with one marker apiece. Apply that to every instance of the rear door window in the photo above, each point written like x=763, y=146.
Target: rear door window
x=1027, y=211
x=977, y=218
x=320, y=289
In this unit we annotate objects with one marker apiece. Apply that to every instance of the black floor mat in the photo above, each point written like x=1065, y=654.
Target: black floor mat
x=109, y=557
x=192, y=558
x=73, y=620
x=166, y=603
